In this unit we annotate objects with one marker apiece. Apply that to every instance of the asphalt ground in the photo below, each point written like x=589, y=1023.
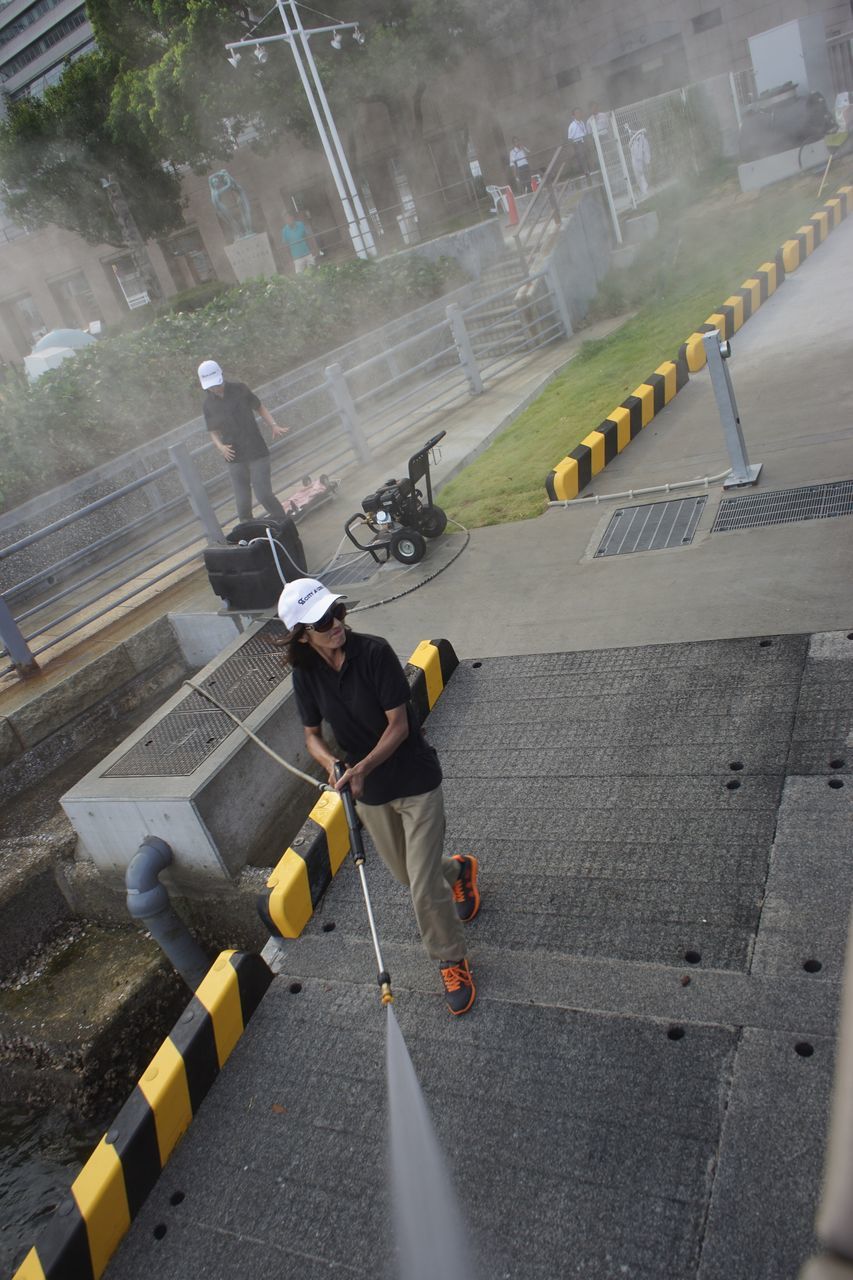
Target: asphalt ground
x=601, y=1116
x=644, y=818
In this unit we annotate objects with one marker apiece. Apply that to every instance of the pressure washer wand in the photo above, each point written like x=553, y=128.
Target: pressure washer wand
x=357, y=847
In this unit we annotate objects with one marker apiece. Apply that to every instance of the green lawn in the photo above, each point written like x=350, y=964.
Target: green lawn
x=704, y=253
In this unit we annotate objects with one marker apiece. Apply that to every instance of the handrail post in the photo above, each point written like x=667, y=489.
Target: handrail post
x=605, y=177
x=345, y=406
x=552, y=276
x=465, y=350
x=19, y=651
x=743, y=472
x=196, y=492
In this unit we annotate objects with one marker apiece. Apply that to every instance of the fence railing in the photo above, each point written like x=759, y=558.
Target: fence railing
x=348, y=417
x=558, y=189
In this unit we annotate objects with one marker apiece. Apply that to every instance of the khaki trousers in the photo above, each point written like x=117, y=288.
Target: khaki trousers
x=409, y=837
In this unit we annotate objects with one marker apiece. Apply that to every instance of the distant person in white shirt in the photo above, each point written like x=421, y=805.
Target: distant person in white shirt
x=601, y=118
x=577, y=140
x=520, y=165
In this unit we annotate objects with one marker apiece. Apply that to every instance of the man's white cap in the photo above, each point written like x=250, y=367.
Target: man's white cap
x=210, y=374
x=303, y=601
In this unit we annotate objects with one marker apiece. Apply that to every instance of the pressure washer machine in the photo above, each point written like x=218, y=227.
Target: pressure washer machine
x=399, y=517
x=258, y=557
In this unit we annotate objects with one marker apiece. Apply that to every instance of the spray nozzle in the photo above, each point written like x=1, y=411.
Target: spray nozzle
x=386, y=995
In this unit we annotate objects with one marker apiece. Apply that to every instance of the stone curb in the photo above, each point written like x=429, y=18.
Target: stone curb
x=305, y=870
x=618, y=429
x=87, y=1226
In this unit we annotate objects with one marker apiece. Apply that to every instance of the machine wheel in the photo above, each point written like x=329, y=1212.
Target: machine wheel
x=432, y=521
x=408, y=546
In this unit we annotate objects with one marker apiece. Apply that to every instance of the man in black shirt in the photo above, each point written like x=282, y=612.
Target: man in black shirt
x=357, y=685
x=229, y=413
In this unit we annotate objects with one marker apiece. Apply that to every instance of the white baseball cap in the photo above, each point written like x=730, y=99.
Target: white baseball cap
x=210, y=374
x=303, y=601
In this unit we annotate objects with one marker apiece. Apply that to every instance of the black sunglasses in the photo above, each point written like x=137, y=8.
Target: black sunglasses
x=337, y=613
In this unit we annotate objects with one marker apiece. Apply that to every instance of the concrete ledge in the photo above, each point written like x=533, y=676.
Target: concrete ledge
x=573, y=472
x=33, y=735
x=306, y=868
x=110, y=1189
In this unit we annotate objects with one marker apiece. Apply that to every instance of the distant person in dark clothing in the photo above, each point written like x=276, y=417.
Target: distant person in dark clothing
x=357, y=685
x=229, y=414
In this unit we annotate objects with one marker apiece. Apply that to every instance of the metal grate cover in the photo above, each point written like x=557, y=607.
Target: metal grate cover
x=184, y=738
x=652, y=527
x=810, y=502
x=359, y=569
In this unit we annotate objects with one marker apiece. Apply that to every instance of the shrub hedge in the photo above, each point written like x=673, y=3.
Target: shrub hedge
x=133, y=387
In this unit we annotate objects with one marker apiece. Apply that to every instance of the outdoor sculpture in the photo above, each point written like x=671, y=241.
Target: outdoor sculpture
x=231, y=204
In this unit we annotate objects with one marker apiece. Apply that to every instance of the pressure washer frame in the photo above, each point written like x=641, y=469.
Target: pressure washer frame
x=397, y=517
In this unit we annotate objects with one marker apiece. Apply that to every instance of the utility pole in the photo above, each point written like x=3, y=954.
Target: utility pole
x=298, y=37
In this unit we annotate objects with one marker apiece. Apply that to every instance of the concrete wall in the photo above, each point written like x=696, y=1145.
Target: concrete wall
x=50, y=729
x=580, y=255
x=474, y=248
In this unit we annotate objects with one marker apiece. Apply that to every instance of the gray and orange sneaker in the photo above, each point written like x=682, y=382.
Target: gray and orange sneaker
x=459, y=989
x=466, y=895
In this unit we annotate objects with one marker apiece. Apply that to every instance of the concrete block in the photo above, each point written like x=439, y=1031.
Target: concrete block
x=645, y=226
x=202, y=636
x=31, y=902
x=624, y=256
x=10, y=746
x=52, y=710
x=151, y=646
x=757, y=174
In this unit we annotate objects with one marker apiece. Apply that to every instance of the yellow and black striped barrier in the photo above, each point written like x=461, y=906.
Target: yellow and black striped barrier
x=619, y=428
x=617, y=431
x=305, y=870
x=110, y=1189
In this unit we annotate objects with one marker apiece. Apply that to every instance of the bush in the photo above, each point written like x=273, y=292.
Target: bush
x=134, y=386
x=194, y=299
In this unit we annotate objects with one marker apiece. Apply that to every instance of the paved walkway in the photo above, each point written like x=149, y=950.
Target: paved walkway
x=470, y=428
x=642, y=1087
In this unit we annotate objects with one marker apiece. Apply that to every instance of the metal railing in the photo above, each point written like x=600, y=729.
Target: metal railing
x=347, y=418
x=557, y=192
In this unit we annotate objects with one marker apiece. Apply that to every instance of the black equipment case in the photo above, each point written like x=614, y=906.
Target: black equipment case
x=244, y=573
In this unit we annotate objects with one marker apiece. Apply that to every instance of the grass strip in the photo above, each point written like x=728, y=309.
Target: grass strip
x=701, y=255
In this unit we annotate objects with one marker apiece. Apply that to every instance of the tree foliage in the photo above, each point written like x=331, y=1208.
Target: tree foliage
x=161, y=93
x=55, y=151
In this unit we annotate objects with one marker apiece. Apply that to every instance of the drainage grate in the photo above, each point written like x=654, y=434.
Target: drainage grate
x=652, y=527
x=184, y=738
x=810, y=502
x=359, y=569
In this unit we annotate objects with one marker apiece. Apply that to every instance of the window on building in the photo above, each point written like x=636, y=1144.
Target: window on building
x=570, y=76
x=75, y=300
x=45, y=42
x=189, y=260
x=706, y=21
x=26, y=19
x=127, y=281
x=24, y=322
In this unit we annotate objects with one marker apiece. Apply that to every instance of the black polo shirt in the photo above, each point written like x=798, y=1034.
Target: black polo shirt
x=353, y=702
x=232, y=417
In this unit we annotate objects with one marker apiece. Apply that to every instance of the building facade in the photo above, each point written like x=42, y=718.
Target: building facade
x=524, y=82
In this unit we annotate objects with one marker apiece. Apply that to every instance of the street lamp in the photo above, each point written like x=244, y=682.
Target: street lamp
x=298, y=37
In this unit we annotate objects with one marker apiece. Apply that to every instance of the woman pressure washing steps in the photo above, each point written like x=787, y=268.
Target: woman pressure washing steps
x=357, y=685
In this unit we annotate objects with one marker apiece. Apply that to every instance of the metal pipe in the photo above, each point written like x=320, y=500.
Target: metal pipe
x=148, y=901
x=357, y=850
